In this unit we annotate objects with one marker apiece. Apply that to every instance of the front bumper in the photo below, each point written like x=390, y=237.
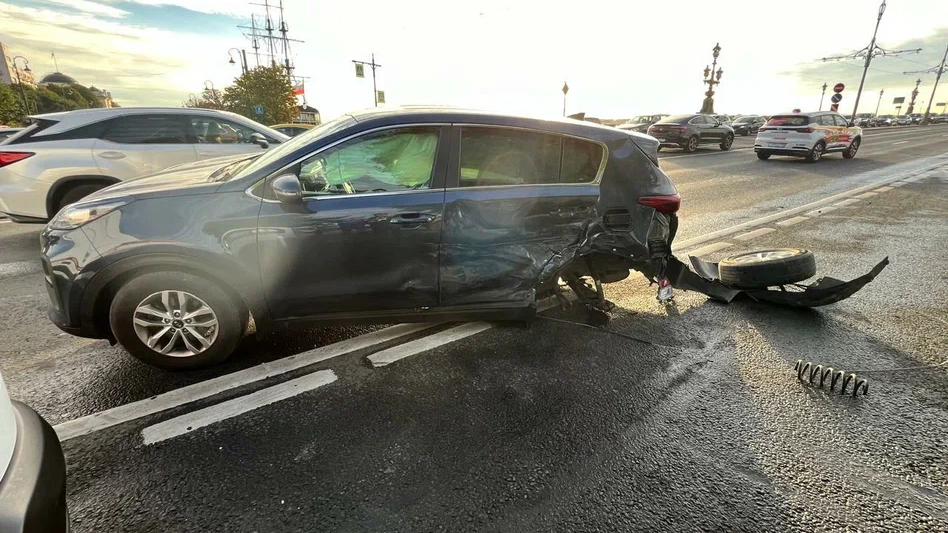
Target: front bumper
x=66, y=257
x=33, y=489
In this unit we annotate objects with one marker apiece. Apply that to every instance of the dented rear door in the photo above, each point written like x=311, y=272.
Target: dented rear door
x=516, y=200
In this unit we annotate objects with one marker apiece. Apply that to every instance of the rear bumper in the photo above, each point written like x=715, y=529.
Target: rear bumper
x=798, y=152
x=22, y=198
x=33, y=489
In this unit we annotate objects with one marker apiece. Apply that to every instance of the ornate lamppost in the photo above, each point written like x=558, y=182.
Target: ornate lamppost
x=712, y=78
x=911, y=106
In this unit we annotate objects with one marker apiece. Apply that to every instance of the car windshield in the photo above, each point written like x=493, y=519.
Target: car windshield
x=295, y=142
x=788, y=120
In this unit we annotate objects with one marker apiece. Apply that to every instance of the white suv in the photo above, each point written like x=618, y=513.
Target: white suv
x=63, y=157
x=808, y=135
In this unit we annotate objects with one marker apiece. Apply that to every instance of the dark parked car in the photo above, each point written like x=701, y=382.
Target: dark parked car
x=640, y=123
x=747, y=124
x=885, y=120
x=864, y=120
x=689, y=131
x=420, y=214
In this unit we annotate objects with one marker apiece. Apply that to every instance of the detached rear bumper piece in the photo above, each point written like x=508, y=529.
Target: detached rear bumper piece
x=824, y=291
x=33, y=489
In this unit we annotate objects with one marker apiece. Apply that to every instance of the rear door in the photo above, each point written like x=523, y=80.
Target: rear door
x=132, y=146
x=515, y=200
x=218, y=137
x=707, y=131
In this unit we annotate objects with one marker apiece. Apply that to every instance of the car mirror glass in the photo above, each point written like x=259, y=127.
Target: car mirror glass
x=287, y=189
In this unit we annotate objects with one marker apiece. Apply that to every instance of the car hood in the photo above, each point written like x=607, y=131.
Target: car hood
x=181, y=180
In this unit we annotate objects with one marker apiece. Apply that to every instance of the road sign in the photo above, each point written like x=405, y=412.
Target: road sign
x=834, y=107
x=565, y=88
x=258, y=109
x=360, y=70
x=836, y=98
x=381, y=95
x=899, y=100
x=838, y=88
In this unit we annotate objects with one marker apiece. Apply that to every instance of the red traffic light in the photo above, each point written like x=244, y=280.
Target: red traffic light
x=838, y=88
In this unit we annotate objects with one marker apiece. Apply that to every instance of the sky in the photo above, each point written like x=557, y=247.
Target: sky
x=619, y=58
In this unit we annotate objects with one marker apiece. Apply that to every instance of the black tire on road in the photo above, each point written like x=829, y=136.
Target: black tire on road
x=767, y=268
x=77, y=193
x=761, y=154
x=691, y=144
x=850, y=152
x=727, y=142
x=130, y=295
x=816, y=153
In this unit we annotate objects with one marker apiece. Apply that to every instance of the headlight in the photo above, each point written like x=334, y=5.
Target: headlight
x=75, y=215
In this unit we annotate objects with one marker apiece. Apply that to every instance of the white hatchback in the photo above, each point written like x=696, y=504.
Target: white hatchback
x=63, y=157
x=808, y=135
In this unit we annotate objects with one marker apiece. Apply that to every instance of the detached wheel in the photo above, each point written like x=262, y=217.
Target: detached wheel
x=727, y=142
x=175, y=320
x=767, y=268
x=691, y=145
x=850, y=152
x=763, y=155
x=816, y=153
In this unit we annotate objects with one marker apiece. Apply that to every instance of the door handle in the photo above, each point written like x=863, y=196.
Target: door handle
x=411, y=218
x=111, y=154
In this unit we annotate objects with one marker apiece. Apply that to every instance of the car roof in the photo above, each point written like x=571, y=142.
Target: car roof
x=444, y=114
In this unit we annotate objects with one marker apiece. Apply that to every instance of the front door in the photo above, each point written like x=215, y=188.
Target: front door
x=516, y=203
x=366, y=237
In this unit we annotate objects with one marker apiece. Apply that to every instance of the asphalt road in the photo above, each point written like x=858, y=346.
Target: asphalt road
x=557, y=426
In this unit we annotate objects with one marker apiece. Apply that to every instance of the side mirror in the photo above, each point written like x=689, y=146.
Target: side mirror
x=287, y=189
x=259, y=140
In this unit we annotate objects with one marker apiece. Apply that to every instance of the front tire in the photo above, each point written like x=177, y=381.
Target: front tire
x=175, y=320
x=816, y=153
x=691, y=145
x=727, y=142
x=74, y=194
x=850, y=152
x=762, y=155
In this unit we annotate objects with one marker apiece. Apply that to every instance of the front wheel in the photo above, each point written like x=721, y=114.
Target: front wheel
x=850, y=152
x=727, y=142
x=691, y=145
x=816, y=153
x=175, y=320
x=763, y=155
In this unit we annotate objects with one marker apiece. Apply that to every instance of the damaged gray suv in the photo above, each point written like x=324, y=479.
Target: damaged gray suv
x=415, y=214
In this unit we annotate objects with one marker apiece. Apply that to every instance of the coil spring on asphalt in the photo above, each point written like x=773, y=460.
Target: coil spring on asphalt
x=807, y=372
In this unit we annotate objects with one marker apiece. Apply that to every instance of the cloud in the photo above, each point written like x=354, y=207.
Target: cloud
x=213, y=7
x=92, y=8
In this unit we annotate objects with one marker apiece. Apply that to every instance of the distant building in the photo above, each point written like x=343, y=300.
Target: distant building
x=57, y=78
x=103, y=97
x=9, y=71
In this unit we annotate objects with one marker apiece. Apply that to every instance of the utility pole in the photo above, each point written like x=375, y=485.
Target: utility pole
x=941, y=70
x=374, y=65
x=823, y=95
x=869, y=52
x=879, y=103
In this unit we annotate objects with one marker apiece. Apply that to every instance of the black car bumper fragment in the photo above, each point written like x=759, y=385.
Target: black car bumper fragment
x=33, y=489
x=824, y=291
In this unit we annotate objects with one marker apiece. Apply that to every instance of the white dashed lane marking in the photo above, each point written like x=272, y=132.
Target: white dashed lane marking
x=754, y=234
x=710, y=249
x=866, y=195
x=792, y=221
x=900, y=142
x=821, y=211
x=216, y=413
x=844, y=203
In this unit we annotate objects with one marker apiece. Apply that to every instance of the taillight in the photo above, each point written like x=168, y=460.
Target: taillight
x=806, y=130
x=663, y=204
x=762, y=128
x=12, y=157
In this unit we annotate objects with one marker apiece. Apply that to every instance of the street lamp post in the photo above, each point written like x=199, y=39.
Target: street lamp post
x=712, y=78
x=19, y=83
x=242, y=54
x=823, y=95
x=911, y=106
x=878, y=103
x=217, y=99
x=565, y=90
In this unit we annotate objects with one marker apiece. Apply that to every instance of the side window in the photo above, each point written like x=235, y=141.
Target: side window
x=212, y=130
x=387, y=161
x=700, y=119
x=840, y=121
x=827, y=120
x=146, y=129
x=581, y=161
x=498, y=156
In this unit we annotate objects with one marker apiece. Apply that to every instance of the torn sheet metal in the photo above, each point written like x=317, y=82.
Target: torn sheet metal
x=824, y=291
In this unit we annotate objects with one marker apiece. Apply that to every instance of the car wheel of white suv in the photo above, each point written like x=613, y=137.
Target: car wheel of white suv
x=850, y=152
x=816, y=153
x=76, y=193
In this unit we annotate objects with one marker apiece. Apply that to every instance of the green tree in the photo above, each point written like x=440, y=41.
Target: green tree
x=11, y=106
x=210, y=99
x=265, y=86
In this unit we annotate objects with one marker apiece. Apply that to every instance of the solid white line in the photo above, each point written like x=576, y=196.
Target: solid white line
x=216, y=413
x=809, y=209
x=900, y=142
x=204, y=389
x=844, y=203
x=820, y=211
x=792, y=221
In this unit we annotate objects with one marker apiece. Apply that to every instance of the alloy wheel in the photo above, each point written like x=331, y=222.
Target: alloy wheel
x=175, y=323
x=853, y=147
x=693, y=144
